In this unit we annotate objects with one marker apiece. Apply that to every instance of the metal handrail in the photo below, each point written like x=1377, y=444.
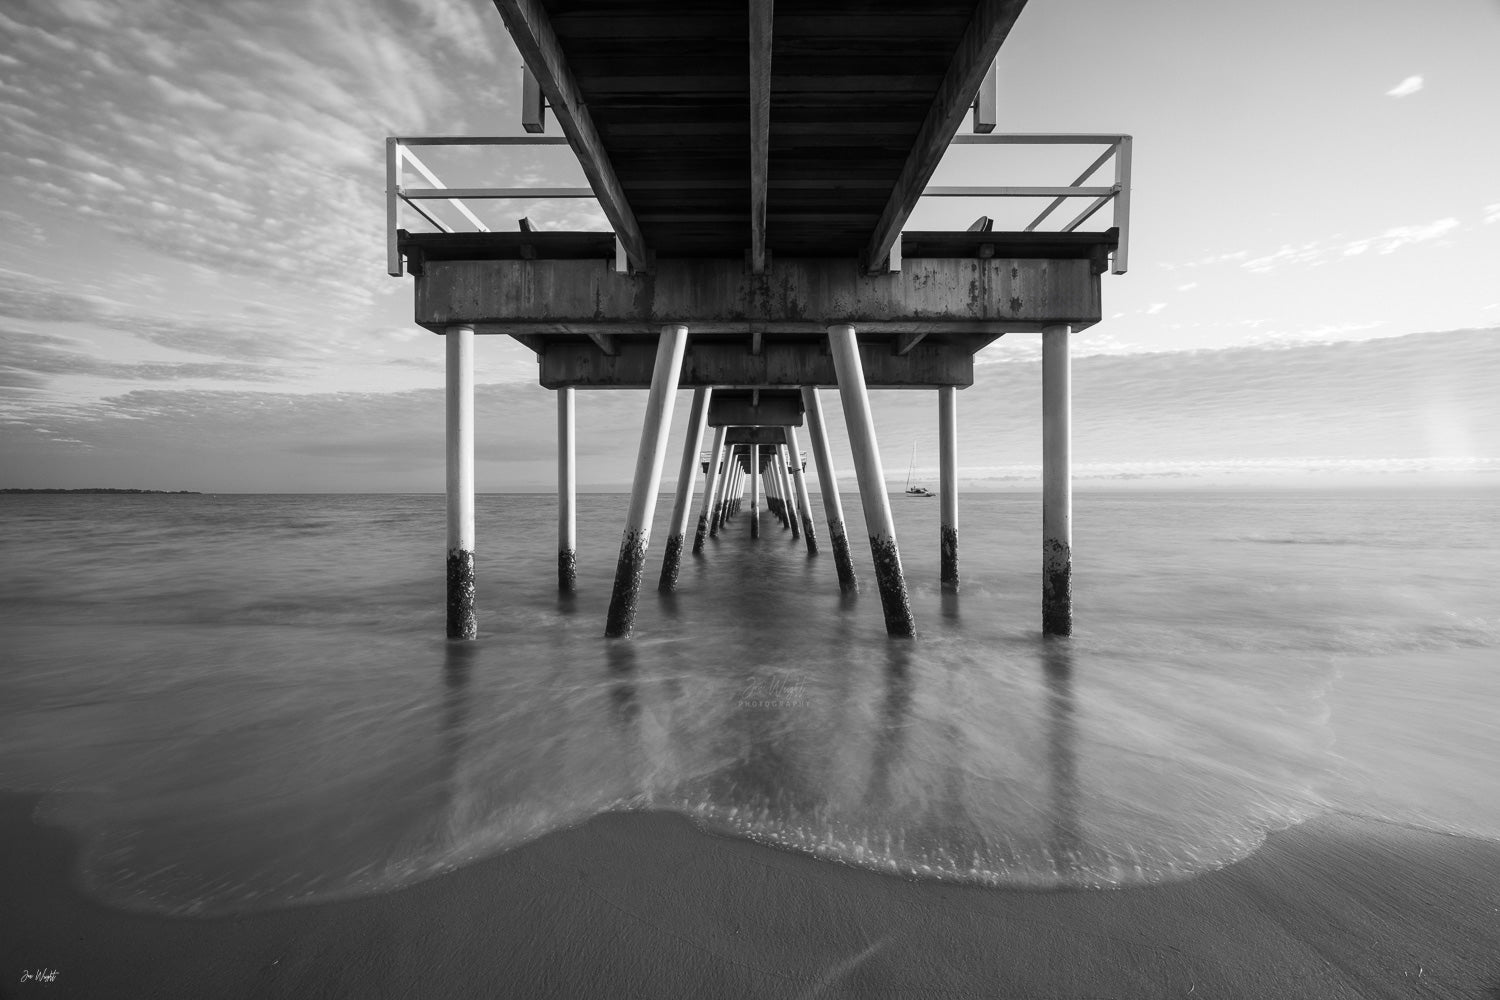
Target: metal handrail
x=1118, y=147
x=398, y=154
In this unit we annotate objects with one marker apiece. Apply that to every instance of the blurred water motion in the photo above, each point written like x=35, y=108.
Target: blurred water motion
x=244, y=702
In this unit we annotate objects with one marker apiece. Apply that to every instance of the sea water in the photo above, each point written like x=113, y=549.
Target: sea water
x=245, y=702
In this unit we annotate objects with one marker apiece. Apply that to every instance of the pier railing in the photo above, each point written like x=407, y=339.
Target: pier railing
x=399, y=155
x=1117, y=148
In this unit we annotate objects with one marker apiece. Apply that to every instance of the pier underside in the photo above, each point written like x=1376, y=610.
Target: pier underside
x=920, y=327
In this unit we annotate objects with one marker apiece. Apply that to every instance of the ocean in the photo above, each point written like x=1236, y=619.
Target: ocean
x=246, y=702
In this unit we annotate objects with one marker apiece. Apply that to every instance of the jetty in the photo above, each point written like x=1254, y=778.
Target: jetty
x=759, y=167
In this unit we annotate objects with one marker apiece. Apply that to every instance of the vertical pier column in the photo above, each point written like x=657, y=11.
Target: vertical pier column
x=790, y=500
x=871, y=476
x=711, y=491
x=828, y=485
x=726, y=491
x=774, y=499
x=948, y=487
x=804, y=504
x=459, y=346
x=731, y=483
x=654, y=430
x=755, y=491
x=682, y=501
x=567, y=494
x=1057, y=482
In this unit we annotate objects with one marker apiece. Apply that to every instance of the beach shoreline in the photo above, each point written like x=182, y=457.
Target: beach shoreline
x=647, y=904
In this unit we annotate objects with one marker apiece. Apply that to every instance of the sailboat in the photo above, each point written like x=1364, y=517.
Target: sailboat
x=915, y=491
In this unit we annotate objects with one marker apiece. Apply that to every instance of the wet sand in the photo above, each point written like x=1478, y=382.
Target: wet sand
x=647, y=905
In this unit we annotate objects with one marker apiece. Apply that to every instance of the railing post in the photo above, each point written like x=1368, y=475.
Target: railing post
x=392, y=193
x=1122, y=205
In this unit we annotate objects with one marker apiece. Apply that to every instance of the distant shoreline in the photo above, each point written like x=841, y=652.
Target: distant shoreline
x=103, y=490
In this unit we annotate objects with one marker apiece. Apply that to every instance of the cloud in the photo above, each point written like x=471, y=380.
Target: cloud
x=1320, y=252
x=1492, y=214
x=1187, y=287
x=1155, y=308
x=1406, y=87
x=247, y=138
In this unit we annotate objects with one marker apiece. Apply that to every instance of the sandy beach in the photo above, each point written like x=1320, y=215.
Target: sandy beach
x=646, y=905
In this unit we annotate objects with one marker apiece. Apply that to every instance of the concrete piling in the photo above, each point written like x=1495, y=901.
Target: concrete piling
x=567, y=490
x=726, y=491
x=948, y=488
x=654, y=429
x=682, y=500
x=828, y=485
x=459, y=351
x=871, y=476
x=754, y=475
x=711, y=491
x=772, y=475
x=1057, y=482
x=804, y=504
x=786, y=489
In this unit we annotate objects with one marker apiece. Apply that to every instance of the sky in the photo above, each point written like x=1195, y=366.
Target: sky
x=193, y=291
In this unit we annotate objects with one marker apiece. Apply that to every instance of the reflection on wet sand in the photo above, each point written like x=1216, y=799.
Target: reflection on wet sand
x=1062, y=738
x=895, y=716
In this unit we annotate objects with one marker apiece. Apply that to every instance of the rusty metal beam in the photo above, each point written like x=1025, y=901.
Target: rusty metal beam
x=976, y=53
x=532, y=31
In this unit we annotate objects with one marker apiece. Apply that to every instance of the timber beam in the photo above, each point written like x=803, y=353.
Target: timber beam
x=532, y=32
x=981, y=41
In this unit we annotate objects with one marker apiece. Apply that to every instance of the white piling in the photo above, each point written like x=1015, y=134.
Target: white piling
x=804, y=504
x=459, y=347
x=948, y=487
x=828, y=485
x=1057, y=482
x=567, y=494
x=789, y=498
x=872, y=492
x=712, y=491
x=682, y=502
x=754, y=491
x=654, y=430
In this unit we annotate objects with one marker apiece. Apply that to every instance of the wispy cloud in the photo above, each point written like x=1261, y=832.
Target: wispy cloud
x=1492, y=214
x=1406, y=87
x=245, y=138
x=1320, y=252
